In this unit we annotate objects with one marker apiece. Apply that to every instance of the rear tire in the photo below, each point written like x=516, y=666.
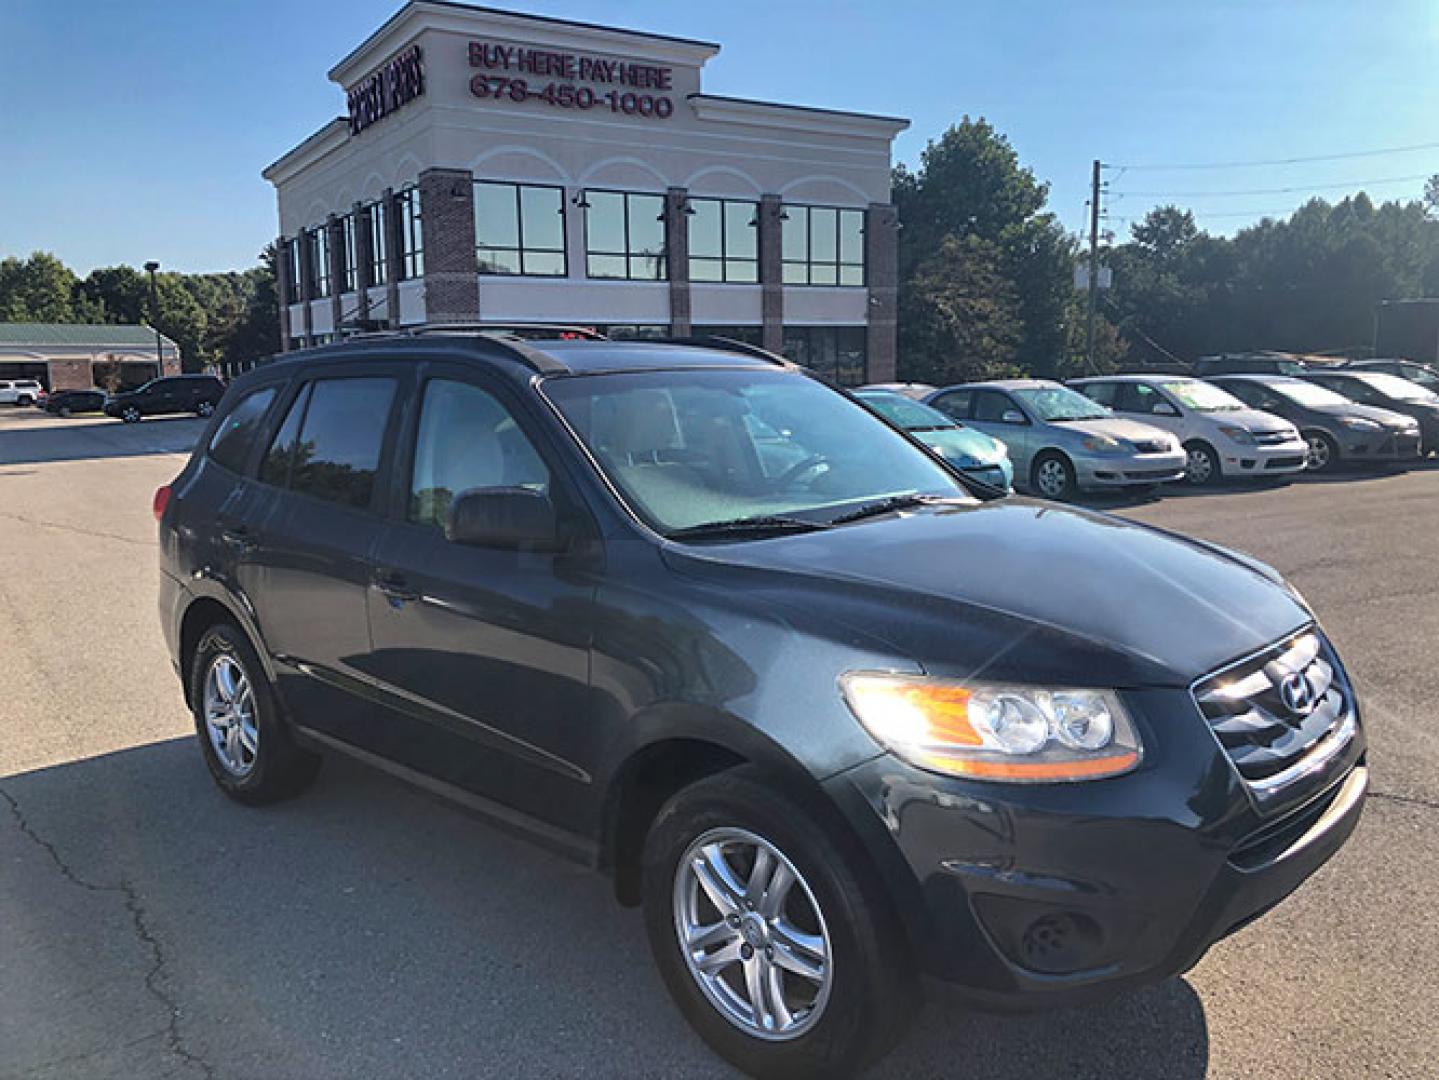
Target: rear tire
x=1052, y=476
x=64, y=412
x=822, y=911
x=204, y=409
x=130, y=414
x=245, y=742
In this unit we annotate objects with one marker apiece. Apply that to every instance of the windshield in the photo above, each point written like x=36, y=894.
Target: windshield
x=1201, y=396
x=1306, y=393
x=1399, y=389
x=1059, y=403
x=694, y=448
x=1291, y=367
x=908, y=414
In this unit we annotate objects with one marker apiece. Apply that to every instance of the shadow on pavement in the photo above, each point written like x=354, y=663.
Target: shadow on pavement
x=366, y=930
x=42, y=438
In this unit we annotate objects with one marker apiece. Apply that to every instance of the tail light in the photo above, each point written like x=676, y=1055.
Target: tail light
x=161, y=500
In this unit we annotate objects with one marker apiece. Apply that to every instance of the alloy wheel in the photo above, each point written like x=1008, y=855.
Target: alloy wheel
x=752, y=935
x=1051, y=478
x=230, y=716
x=205, y=408
x=1318, y=455
x=1199, y=468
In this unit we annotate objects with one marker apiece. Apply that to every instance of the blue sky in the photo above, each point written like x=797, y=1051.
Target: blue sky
x=136, y=130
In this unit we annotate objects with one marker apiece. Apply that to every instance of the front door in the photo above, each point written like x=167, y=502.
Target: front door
x=483, y=654
x=998, y=415
x=325, y=465
x=1138, y=401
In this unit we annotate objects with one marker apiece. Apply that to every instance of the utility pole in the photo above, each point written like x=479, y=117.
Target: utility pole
x=155, y=319
x=1093, y=266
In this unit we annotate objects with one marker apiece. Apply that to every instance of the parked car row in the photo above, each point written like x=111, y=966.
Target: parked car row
x=1139, y=430
x=172, y=394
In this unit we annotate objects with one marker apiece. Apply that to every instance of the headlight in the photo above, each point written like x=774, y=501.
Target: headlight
x=1103, y=444
x=1020, y=734
x=1359, y=424
x=1238, y=434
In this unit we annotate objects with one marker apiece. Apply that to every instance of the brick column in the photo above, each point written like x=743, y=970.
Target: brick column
x=282, y=289
x=307, y=287
x=364, y=252
x=881, y=267
x=447, y=224
x=337, y=262
x=677, y=251
x=392, y=260
x=771, y=272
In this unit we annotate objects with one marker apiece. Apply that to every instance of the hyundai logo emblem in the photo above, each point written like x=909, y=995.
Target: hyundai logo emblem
x=1296, y=693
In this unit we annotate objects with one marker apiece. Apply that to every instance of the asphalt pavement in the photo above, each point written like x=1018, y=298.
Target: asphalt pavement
x=151, y=928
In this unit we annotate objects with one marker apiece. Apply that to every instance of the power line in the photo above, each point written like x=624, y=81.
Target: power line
x=1275, y=191
x=1284, y=161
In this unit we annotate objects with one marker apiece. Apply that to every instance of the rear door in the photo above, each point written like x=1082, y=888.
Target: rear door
x=483, y=654
x=326, y=465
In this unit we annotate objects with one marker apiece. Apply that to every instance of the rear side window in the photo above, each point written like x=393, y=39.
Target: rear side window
x=329, y=445
x=231, y=443
x=1105, y=392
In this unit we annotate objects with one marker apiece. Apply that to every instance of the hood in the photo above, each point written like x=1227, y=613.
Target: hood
x=1116, y=428
x=1387, y=417
x=976, y=444
x=1249, y=419
x=1022, y=590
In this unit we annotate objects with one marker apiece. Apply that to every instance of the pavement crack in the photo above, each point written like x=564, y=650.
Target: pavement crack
x=1407, y=800
x=134, y=906
x=96, y=534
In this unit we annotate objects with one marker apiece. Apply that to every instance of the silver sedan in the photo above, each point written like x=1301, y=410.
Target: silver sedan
x=1059, y=440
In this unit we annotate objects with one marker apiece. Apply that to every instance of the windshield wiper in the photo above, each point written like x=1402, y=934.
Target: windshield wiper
x=885, y=506
x=768, y=523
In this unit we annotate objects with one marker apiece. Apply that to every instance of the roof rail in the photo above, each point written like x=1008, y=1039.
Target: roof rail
x=524, y=331
x=725, y=344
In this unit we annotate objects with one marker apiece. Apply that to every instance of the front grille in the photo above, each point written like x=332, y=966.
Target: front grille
x=1151, y=446
x=1282, y=714
x=1271, y=438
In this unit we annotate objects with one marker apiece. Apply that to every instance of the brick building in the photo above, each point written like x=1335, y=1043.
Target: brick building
x=508, y=168
x=77, y=356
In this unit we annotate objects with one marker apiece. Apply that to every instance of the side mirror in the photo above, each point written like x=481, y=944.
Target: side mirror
x=1163, y=408
x=1013, y=416
x=503, y=517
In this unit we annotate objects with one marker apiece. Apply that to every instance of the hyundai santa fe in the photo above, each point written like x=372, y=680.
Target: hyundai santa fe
x=702, y=621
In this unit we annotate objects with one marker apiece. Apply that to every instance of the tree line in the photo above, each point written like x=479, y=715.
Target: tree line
x=213, y=318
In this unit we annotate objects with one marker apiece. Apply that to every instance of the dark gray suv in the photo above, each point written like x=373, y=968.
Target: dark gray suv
x=696, y=618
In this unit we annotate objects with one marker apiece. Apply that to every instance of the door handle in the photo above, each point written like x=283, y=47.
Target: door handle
x=238, y=539
x=392, y=587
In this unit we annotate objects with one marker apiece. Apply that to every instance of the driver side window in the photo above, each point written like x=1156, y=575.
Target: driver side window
x=467, y=439
x=991, y=406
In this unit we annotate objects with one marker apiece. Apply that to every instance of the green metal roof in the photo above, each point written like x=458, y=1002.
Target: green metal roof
x=82, y=335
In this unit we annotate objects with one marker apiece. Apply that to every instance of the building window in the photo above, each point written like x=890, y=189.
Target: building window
x=349, y=254
x=823, y=246
x=836, y=351
x=319, y=240
x=724, y=240
x=379, y=242
x=750, y=335
x=625, y=236
x=411, y=240
x=292, y=268
x=520, y=229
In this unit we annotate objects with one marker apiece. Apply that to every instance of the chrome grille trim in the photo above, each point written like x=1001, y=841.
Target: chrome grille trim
x=1269, y=744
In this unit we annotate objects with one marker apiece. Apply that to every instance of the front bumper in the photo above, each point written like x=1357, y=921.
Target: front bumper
x=1278, y=459
x=998, y=474
x=1048, y=895
x=1386, y=445
x=1122, y=470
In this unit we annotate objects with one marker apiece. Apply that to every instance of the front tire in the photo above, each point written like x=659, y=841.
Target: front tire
x=246, y=746
x=1053, y=477
x=204, y=409
x=1322, y=453
x=64, y=412
x=772, y=937
x=130, y=414
x=1202, y=468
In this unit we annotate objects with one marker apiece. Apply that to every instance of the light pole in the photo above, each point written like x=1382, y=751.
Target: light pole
x=152, y=266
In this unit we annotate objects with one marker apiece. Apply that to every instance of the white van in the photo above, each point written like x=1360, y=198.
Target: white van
x=20, y=392
x=1223, y=436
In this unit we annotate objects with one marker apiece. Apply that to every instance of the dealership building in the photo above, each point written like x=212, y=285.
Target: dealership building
x=502, y=168
x=77, y=356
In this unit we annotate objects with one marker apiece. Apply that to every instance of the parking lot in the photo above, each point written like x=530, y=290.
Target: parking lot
x=149, y=927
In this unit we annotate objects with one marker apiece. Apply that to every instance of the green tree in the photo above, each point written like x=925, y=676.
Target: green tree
x=970, y=186
x=37, y=289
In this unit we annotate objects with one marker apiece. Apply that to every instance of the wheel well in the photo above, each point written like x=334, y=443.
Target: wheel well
x=1201, y=444
x=199, y=617
x=645, y=783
